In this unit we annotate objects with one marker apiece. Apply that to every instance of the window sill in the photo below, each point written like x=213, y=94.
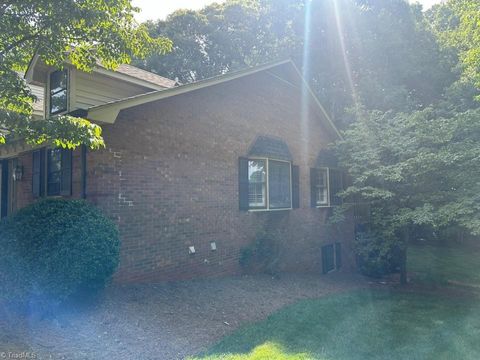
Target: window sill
x=326, y=206
x=269, y=210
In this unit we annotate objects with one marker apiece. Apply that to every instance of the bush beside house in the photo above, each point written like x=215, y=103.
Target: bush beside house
x=54, y=249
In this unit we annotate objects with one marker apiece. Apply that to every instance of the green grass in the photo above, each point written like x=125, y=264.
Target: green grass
x=360, y=325
x=441, y=264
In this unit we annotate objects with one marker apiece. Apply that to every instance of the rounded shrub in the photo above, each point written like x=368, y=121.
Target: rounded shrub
x=56, y=248
x=377, y=255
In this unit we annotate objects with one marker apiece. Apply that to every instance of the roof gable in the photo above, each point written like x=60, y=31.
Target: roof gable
x=107, y=113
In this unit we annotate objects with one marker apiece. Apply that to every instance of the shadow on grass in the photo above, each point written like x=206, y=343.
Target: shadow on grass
x=360, y=325
x=444, y=265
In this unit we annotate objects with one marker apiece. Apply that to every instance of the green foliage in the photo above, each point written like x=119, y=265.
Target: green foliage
x=54, y=249
x=79, y=32
x=420, y=171
x=377, y=255
x=262, y=254
x=379, y=53
x=415, y=169
x=456, y=23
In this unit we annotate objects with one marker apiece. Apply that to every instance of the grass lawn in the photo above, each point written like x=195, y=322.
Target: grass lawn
x=440, y=264
x=360, y=325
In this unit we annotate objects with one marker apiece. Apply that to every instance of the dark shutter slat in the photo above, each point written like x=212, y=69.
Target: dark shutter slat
x=295, y=186
x=4, y=189
x=38, y=173
x=338, y=255
x=328, y=261
x=66, y=182
x=36, y=164
x=42, y=172
x=313, y=187
x=243, y=183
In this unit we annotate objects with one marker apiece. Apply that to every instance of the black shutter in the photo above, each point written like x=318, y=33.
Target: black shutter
x=313, y=187
x=328, y=261
x=66, y=182
x=295, y=186
x=4, y=190
x=243, y=183
x=338, y=255
x=38, y=173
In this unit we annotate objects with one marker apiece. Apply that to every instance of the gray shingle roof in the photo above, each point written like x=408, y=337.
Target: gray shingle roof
x=145, y=76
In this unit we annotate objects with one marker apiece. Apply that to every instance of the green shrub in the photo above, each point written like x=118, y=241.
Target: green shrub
x=377, y=255
x=261, y=255
x=55, y=249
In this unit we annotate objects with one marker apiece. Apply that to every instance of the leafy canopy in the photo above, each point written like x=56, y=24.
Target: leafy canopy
x=394, y=61
x=418, y=168
x=80, y=32
x=457, y=24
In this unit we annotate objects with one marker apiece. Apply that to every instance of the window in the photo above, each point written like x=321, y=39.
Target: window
x=55, y=177
x=321, y=187
x=331, y=257
x=266, y=184
x=257, y=184
x=54, y=171
x=58, y=92
x=325, y=184
x=269, y=185
x=279, y=187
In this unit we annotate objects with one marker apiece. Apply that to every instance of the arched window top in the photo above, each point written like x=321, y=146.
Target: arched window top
x=270, y=147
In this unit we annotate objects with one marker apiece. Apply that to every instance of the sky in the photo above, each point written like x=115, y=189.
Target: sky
x=159, y=9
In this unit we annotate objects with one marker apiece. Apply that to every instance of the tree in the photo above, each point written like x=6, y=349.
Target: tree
x=416, y=169
x=79, y=32
x=379, y=53
x=226, y=37
x=456, y=23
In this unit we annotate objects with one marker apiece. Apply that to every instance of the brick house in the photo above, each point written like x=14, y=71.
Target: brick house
x=192, y=173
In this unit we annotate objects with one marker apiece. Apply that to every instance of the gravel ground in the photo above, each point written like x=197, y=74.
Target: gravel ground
x=161, y=321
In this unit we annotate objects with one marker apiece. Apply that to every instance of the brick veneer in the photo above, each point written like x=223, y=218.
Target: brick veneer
x=169, y=178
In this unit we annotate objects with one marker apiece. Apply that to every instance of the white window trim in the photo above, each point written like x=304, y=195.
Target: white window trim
x=328, y=204
x=48, y=95
x=267, y=186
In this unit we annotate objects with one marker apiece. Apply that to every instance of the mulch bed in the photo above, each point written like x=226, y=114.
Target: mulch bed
x=162, y=321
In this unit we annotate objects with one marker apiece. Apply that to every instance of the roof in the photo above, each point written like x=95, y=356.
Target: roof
x=146, y=76
x=123, y=72
x=107, y=113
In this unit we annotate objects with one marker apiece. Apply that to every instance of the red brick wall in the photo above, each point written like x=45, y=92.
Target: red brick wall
x=169, y=177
